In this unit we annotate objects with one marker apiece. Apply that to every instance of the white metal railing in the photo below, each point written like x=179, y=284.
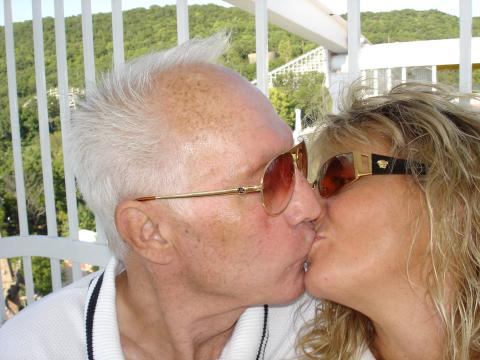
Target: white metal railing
x=52, y=246
x=57, y=248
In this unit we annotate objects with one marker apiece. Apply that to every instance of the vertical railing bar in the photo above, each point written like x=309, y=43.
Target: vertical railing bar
x=2, y=297
x=404, y=74
x=64, y=100
x=389, y=78
x=87, y=37
x=326, y=66
x=45, y=135
x=261, y=34
x=28, y=277
x=375, y=82
x=2, y=300
x=353, y=25
x=16, y=143
x=89, y=64
x=76, y=271
x=363, y=78
x=434, y=74
x=117, y=33
x=182, y=21
x=465, y=80
x=14, y=119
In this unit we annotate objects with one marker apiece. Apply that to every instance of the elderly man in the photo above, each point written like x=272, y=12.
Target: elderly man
x=156, y=148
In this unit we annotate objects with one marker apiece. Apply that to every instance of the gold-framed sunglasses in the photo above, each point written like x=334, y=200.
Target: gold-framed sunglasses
x=343, y=169
x=276, y=184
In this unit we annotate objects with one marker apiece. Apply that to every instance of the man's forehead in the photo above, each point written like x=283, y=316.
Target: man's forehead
x=195, y=77
x=195, y=97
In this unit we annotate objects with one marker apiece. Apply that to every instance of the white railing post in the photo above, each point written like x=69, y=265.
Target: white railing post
x=62, y=73
x=353, y=10
x=45, y=136
x=182, y=22
x=375, y=82
x=261, y=34
x=465, y=81
x=2, y=298
x=117, y=33
x=16, y=143
x=434, y=74
x=363, y=78
x=298, y=125
x=89, y=64
x=14, y=119
x=404, y=74
x=326, y=66
x=87, y=40
x=389, y=78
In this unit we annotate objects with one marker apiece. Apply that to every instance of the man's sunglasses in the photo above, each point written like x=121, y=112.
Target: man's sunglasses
x=343, y=169
x=276, y=185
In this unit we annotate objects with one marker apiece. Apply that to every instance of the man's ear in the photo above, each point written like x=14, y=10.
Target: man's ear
x=143, y=234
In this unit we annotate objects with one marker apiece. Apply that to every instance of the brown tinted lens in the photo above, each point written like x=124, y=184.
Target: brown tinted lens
x=335, y=173
x=302, y=159
x=278, y=183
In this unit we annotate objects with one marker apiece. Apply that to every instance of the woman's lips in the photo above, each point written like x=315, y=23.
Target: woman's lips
x=319, y=237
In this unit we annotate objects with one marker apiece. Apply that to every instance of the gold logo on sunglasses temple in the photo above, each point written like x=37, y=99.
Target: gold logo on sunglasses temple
x=382, y=164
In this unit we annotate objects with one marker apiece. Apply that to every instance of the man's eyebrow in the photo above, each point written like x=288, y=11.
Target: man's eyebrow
x=261, y=167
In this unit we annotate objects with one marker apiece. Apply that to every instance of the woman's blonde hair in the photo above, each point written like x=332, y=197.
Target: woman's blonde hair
x=423, y=123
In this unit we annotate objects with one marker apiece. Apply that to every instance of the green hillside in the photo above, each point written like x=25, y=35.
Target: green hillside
x=411, y=25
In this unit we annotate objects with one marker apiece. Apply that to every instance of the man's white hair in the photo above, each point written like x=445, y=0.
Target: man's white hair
x=115, y=150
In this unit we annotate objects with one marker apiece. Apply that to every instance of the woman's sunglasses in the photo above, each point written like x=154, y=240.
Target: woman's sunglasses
x=276, y=185
x=343, y=169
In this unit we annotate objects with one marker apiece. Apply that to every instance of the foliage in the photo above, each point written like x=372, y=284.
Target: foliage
x=284, y=104
x=411, y=25
x=303, y=91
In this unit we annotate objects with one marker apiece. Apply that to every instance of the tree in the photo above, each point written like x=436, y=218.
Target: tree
x=303, y=91
x=283, y=104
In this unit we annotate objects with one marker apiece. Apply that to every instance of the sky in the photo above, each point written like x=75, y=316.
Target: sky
x=21, y=9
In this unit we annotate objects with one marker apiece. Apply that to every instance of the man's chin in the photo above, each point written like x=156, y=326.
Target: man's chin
x=291, y=296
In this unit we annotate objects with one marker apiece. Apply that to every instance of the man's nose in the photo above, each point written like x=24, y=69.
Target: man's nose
x=303, y=205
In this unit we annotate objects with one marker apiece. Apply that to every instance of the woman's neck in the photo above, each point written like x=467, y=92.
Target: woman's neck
x=410, y=329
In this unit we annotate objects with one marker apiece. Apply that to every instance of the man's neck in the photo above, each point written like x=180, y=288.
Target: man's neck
x=170, y=325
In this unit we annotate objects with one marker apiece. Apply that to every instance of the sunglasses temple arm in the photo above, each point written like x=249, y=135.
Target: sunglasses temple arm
x=240, y=191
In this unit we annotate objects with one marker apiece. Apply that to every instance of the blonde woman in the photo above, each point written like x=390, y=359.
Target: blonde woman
x=396, y=263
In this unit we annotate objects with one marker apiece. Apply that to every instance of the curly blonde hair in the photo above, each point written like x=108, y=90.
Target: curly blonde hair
x=429, y=124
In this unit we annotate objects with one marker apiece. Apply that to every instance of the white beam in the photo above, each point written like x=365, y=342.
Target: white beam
x=61, y=248
x=409, y=54
x=308, y=19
